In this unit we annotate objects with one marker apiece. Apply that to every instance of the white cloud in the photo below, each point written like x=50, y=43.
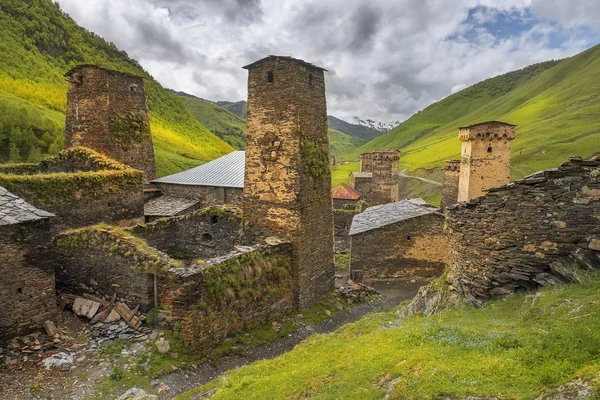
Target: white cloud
x=387, y=59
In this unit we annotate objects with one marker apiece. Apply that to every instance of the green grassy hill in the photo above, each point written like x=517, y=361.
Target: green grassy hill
x=341, y=143
x=355, y=130
x=239, y=108
x=223, y=123
x=38, y=44
x=555, y=105
x=515, y=348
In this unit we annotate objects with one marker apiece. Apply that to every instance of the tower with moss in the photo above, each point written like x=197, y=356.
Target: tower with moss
x=107, y=112
x=287, y=188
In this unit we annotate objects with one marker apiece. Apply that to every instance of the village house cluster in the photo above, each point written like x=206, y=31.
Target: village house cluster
x=232, y=243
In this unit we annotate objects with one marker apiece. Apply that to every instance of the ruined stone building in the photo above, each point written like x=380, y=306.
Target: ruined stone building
x=287, y=189
x=27, y=287
x=107, y=112
x=450, y=184
x=220, y=181
x=537, y=231
x=363, y=183
x=399, y=241
x=485, y=157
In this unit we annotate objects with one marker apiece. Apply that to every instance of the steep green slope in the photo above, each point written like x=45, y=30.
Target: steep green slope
x=226, y=125
x=508, y=349
x=38, y=44
x=239, y=108
x=554, y=104
x=341, y=143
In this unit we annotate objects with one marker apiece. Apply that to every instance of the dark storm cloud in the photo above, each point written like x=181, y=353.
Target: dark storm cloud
x=157, y=42
x=366, y=19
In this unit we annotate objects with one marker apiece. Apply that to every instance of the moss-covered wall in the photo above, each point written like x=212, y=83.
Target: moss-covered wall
x=104, y=260
x=80, y=186
x=232, y=293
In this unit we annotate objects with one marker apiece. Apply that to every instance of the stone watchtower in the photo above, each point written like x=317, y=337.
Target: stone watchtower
x=485, y=157
x=107, y=112
x=383, y=165
x=450, y=186
x=287, y=185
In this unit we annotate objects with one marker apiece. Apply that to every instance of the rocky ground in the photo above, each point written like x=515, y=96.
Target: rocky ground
x=70, y=364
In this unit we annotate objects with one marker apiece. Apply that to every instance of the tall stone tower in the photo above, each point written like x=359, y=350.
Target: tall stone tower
x=107, y=112
x=383, y=165
x=450, y=186
x=485, y=157
x=287, y=188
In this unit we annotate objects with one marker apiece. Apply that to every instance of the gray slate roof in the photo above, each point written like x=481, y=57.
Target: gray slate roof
x=226, y=171
x=15, y=210
x=167, y=206
x=386, y=214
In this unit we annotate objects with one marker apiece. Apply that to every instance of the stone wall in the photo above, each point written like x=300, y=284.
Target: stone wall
x=364, y=184
x=208, y=195
x=107, y=111
x=81, y=187
x=287, y=190
x=485, y=158
x=231, y=293
x=527, y=234
x=27, y=287
x=450, y=185
x=105, y=260
x=204, y=233
x=414, y=249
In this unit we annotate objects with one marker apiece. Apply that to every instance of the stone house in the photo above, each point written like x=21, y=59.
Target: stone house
x=399, y=241
x=218, y=182
x=27, y=286
x=345, y=206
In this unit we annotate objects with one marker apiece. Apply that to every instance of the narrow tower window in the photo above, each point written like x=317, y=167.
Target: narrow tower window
x=270, y=76
x=489, y=148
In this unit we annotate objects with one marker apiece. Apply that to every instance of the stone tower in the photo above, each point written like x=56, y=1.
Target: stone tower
x=107, y=112
x=287, y=183
x=383, y=165
x=485, y=157
x=450, y=186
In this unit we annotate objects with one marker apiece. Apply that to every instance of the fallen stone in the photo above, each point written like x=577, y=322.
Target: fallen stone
x=60, y=361
x=594, y=244
x=163, y=346
x=136, y=394
x=85, y=308
x=50, y=328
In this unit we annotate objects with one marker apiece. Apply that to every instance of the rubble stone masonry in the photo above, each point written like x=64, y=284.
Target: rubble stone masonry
x=415, y=249
x=287, y=189
x=27, y=291
x=528, y=233
x=485, y=158
x=107, y=112
x=208, y=195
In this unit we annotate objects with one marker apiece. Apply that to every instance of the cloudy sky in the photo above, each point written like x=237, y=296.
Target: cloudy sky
x=386, y=58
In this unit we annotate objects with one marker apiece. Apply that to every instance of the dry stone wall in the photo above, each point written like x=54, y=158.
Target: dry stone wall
x=414, y=249
x=533, y=232
x=383, y=164
x=208, y=195
x=450, y=185
x=81, y=187
x=27, y=287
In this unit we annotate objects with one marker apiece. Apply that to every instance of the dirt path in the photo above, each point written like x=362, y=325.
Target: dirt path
x=179, y=382
x=404, y=175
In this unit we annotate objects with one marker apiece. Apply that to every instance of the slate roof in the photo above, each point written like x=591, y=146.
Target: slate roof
x=390, y=213
x=272, y=57
x=15, y=210
x=168, y=206
x=362, y=174
x=485, y=123
x=345, y=192
x=226, y=171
